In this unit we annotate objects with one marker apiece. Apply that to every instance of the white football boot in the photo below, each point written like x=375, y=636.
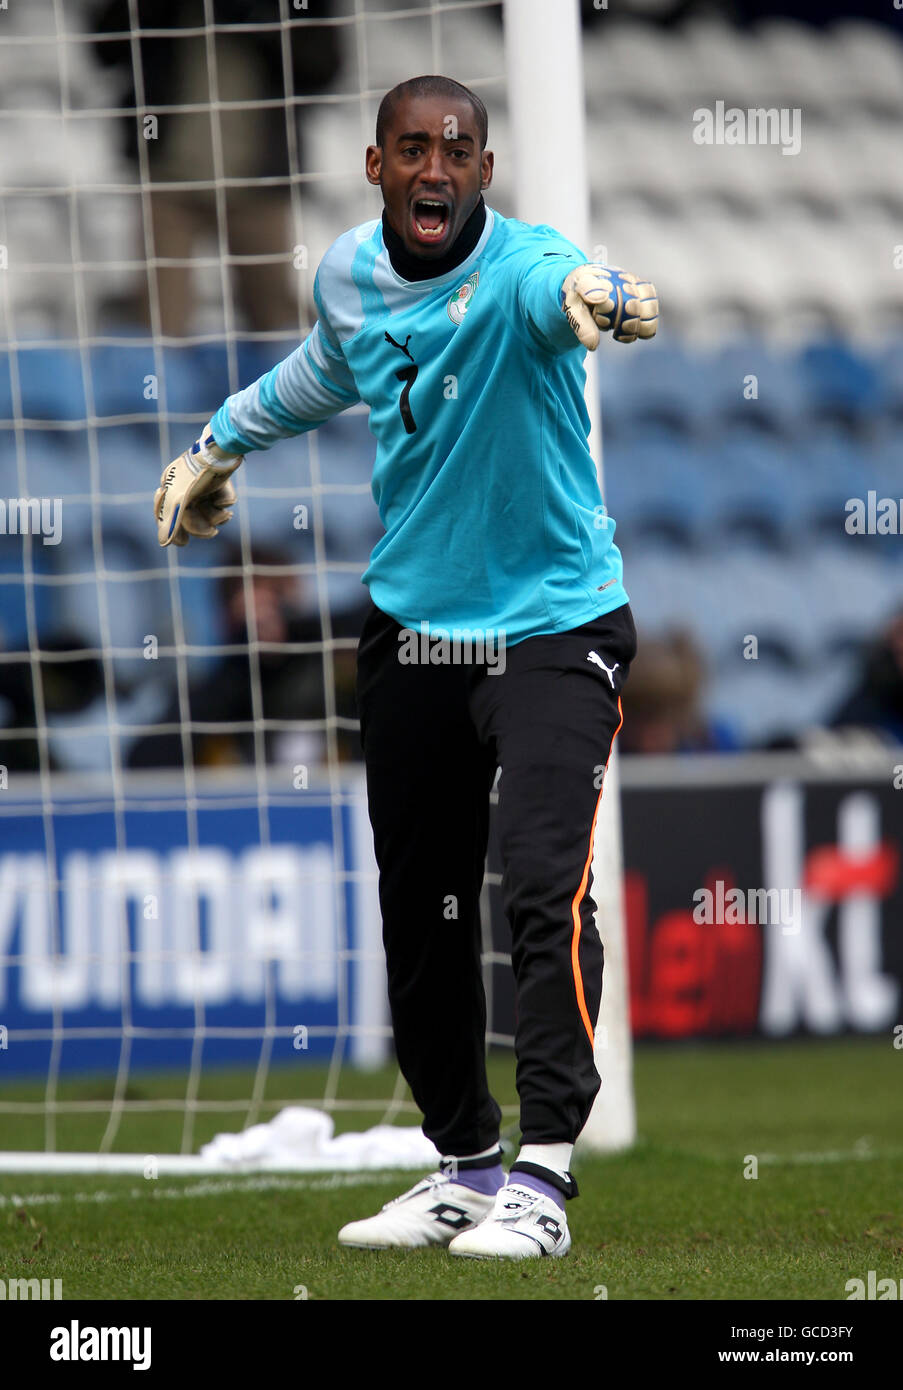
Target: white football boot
x=523, y=1225
x=434, y=1211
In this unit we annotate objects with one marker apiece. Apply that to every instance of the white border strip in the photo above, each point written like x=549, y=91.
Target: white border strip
x=186, y=1165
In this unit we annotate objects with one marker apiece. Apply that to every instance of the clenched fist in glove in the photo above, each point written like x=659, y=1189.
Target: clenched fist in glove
x=195, y=496
x=601, y=297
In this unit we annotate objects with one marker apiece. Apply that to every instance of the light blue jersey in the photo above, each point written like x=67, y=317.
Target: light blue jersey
x=483, y=476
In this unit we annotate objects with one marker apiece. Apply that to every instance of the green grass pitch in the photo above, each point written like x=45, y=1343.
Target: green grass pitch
x=674, y=1219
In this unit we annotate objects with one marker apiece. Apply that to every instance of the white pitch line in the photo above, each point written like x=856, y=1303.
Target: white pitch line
x=98, y=1165
x=215, y=1187
x=862, y=1153
x=208, y=1188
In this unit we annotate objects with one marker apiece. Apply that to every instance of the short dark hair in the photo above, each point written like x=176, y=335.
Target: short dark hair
x=430, y=86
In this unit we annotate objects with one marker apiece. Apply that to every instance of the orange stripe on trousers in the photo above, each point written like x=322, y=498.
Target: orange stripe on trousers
x=578, y=898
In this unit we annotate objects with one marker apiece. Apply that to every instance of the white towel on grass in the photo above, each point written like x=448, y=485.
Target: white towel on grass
x=299, y=1138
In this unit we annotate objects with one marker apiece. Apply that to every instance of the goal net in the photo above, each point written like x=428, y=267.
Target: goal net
x=189, y=928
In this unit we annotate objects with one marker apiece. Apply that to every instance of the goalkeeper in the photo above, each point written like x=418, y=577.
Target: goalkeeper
x=464, y=332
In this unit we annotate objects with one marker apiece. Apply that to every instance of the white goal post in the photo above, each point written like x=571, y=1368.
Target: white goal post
x=546, y=104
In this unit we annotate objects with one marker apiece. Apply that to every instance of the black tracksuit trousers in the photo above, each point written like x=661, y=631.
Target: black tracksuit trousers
x=433, y=736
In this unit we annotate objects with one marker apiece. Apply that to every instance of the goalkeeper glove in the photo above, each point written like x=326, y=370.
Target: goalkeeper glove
x=595, y=297
x=195, y=496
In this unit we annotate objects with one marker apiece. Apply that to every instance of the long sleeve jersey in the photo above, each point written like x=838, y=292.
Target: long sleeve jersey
x=483, y=476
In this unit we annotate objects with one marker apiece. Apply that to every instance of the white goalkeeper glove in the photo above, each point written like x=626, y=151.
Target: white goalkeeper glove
x=602, y=297
x=195, y=496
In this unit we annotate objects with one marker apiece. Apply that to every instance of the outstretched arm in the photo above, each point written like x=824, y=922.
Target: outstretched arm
x=558, y=300
x=312, y=384
x=195, y=495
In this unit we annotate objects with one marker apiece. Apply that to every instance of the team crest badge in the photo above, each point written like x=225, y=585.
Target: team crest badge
x=458, y=304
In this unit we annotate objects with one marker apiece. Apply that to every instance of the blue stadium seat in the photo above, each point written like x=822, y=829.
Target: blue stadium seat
x=52, y=383
x=751, y=385
x=6, y=390
x=131, y=458
x=850, y=593
x=653, y=486
x=221, y=369
x=55, y=463
x=199, y=604
x=132, y=378
x=139, y=378
x=882, y=472
x=759, y=599
x=750, y=491
x=660, y=386
x=667, y=594
x=837, y=380
x=888, y=362
x=830, y=471
x=15, y=601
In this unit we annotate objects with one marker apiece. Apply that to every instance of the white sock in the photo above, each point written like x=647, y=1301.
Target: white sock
x=555, y=1157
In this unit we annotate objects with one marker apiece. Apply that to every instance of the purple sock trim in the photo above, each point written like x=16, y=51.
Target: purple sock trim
x=485, y=1180
x=537, y=1185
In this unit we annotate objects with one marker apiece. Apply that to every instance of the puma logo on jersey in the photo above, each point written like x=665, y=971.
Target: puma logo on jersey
x=609, y=670
x=402, y=347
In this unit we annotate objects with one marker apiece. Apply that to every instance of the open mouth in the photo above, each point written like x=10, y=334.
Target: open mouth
x=430, y=218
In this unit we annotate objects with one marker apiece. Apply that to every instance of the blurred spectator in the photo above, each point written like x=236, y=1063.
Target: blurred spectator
x=291, y=684
x=252, y=142
x=876, y=701
x=67, y=685
x=662, y=707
